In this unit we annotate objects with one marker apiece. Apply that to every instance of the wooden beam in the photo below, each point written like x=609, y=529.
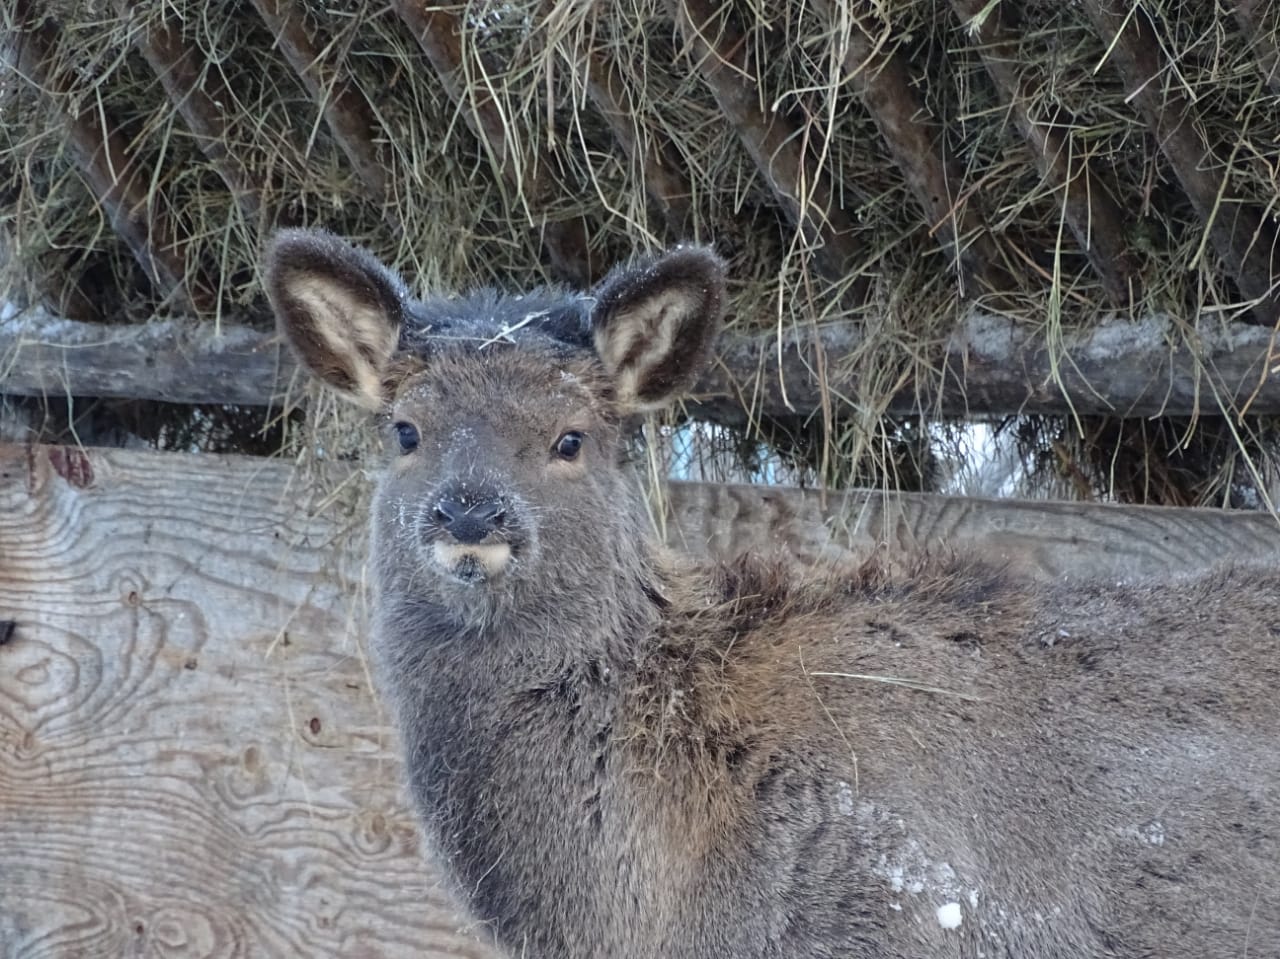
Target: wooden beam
x=1035, y=538
x=989, y=367
x=118, y=180
x=1095, y=220
x=776, y=145
x=663, y=183
x=1247, y=245
x=347, y=112
x=200, y=99
x=880, y=77
x=439, y=33
x=1038, y=539
x=191, y=756
x=175, y=363
x=1260, y=19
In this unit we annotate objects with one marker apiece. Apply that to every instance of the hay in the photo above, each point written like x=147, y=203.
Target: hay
x=451, y=221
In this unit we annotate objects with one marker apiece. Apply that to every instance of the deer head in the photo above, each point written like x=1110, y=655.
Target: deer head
x=503, y=416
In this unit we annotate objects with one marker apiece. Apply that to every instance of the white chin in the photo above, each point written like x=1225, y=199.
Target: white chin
x=472, y=564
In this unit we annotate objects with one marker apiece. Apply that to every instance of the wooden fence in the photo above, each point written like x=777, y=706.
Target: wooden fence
x=192, y=761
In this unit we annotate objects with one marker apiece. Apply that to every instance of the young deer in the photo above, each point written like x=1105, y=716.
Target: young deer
x=614, y=755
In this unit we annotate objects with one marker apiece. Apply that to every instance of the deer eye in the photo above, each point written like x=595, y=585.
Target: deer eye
x=569, y=445
x=407, y=436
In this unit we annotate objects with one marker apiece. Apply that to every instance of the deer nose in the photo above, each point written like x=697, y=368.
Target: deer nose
x=469, y=524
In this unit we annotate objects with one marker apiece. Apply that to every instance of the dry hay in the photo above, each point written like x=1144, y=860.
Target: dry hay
x=450, y=219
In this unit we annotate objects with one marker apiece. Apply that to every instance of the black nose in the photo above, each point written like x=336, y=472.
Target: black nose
x=470, y=524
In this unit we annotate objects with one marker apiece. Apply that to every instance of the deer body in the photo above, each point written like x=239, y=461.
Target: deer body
x=615, y=754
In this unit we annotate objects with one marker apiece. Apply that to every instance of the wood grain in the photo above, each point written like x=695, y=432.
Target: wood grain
x=1046, y=540
x=191, y=760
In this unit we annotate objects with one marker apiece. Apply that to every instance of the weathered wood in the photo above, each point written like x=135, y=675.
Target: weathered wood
x=1038, y=539
x=115, y=177
x=882, y=81
x=993, y=367
x=663, y=182
x=1244, y=241
x=1261, y=20
x=990, y=367
x=191, y=760
x=439, y=33
x=718, y=51
x=345, y=108
x=42, y=355
x=201, y=100
x=1095, y=219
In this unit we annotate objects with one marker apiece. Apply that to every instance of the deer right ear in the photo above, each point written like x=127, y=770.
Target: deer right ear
x=339, y=308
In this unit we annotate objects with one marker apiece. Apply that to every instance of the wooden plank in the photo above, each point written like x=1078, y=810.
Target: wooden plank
x=990, y=368
x=202, y=100
x=44, y=355
x=343, y=104
x=880, y=76
x=1040, y=539
x=1260, y=20
x=657, y=159
x=190, y=755
x=191, y=761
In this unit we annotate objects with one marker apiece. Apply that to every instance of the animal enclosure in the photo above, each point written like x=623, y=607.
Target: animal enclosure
x=1027, y=212
x=191, y=761
x=1014, y=209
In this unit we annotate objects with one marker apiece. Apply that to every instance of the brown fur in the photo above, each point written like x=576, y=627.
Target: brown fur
x=618, y=754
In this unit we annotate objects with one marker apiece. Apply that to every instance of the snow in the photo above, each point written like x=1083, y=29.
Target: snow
x=1122, y=339
x=994, y=338
x=37, y=322
x=988, y=337
x=949, y=916
x=844, y=799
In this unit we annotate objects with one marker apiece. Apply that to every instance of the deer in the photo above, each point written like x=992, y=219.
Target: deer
x=616, y=751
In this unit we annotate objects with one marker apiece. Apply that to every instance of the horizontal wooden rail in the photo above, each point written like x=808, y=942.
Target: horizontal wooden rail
x=1037, y=538
x=989, y=368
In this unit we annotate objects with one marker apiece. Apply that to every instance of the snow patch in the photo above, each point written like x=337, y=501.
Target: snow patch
x=1152, y=833
x=1123, y=339
x=844, y=799
x=911, y=871
x=989, y=337
x=949, y=915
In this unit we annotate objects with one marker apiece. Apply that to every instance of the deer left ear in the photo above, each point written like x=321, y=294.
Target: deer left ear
x=654, y=325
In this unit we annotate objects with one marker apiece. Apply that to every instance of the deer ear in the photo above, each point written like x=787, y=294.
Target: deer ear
x=654, y=324
x=338, y=307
